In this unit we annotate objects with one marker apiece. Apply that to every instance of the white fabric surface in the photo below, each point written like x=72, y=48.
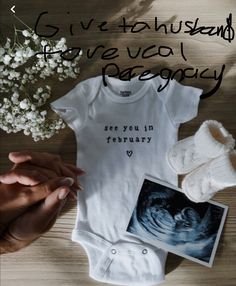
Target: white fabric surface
x=122, y=130
x=204, y=182
x=210, y=141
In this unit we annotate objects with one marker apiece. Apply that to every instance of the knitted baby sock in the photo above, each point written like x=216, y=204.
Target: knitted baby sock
x=218, y=174
x=210, y=141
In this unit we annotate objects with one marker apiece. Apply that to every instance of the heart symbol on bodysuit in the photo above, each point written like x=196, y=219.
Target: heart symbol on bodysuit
x=129, y=153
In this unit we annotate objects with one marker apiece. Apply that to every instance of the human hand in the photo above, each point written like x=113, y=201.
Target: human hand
x=15, y=199
x=31, y=168
x=29, y=211
x=21, y=189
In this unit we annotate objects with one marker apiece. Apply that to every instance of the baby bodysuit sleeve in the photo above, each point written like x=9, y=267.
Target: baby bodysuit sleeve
x=181, y=102
x=72, y=107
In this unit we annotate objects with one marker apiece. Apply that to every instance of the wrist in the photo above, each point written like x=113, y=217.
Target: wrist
x=3, y=249
x=9, y=243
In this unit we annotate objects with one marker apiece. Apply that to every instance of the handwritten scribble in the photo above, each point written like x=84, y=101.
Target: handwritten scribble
x=225, y=31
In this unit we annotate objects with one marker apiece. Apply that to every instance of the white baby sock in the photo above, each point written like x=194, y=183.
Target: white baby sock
x=210, y=141
x=218, y=174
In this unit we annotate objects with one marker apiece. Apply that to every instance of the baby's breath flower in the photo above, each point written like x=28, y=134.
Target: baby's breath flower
x=6, y=59
x=26, y=33
x=22, y=104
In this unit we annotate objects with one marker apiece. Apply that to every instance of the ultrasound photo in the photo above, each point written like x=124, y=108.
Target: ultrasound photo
x=165, y=216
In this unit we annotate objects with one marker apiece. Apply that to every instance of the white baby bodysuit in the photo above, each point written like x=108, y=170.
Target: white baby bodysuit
x=123, y=130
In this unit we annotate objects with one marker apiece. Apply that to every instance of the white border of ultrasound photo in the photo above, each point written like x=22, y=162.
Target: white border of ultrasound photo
x=168, y=247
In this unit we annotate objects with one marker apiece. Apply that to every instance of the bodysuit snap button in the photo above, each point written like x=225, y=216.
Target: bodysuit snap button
x=144, y=251
x=113, y=251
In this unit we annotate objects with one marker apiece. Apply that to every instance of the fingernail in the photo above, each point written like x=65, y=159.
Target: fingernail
x=80, y=187
x=80, y=172
x=14, y=153
x=63, y=194
x=67, y=182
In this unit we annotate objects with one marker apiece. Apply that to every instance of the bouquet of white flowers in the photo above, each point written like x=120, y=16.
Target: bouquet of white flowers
x=23, y=101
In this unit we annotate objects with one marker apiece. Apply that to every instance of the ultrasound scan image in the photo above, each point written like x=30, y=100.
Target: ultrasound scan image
x=168, y=216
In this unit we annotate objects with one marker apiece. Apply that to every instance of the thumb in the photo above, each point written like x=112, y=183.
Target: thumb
x=54, y=202
x=47, y=212
x=44, y=190
x=40, y=218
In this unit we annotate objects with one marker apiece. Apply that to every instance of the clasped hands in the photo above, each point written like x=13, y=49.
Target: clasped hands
x=32, y=195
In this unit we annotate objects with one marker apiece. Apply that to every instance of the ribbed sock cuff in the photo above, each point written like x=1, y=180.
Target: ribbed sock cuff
x=224, y=169
x=212, y=139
